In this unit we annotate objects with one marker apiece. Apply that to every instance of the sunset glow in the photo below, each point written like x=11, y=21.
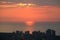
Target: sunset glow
x=21, y=4
x=25, y=4
x=43, y=13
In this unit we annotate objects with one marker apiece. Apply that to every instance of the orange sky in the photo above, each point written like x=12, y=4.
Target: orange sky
x=41, y=13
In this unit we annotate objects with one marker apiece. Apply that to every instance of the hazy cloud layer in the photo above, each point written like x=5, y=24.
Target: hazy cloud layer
x=39, y=2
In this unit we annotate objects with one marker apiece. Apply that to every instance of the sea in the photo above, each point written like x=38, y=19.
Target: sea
x=37, y=26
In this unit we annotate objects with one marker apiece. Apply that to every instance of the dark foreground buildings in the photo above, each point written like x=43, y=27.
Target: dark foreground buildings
x=36, y=35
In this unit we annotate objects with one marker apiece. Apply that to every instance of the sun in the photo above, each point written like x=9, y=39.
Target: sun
x=29, y=23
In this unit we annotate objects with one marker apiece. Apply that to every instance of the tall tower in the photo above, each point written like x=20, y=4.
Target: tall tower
x=50, y=34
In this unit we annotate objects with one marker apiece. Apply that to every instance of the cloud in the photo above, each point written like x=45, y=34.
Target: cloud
x=38, y=2
x=2, y=6
x=13, y=3
x=6, y=2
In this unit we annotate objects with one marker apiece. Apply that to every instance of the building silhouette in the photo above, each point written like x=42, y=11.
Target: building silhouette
x=50, y=34
x=36, y=35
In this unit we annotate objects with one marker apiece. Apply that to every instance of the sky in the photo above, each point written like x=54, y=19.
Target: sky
x=30, y=11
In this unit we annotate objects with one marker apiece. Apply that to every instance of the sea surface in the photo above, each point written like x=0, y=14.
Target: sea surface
x=37, y=26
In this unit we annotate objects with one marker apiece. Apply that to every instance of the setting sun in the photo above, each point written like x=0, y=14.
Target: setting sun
x=29, y=23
